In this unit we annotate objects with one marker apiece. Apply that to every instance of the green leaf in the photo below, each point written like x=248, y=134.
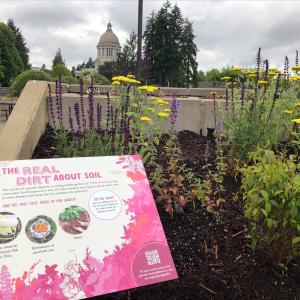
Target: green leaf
x=296, y=240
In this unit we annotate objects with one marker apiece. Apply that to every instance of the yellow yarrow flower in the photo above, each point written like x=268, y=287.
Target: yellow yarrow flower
x=116, y=82
x=251, y=75
x=167, y=110
x=274, y=70
x=162, y=102
x=262, y=82
x=130, y=76
x=151, y=109
x=295, y=77
x=288, y=111
x=115, y=78
x=295, y=68
x=226, y=78
x=297, y=121
x=236, y=68
x=270, y=73
x=163, y=114
x=145, y=119
x=133, y=81
x=297, y=104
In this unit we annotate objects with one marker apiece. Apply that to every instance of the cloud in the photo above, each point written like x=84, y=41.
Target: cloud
x=227, y=32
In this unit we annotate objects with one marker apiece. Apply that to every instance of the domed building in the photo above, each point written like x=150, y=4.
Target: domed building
x=107, y=48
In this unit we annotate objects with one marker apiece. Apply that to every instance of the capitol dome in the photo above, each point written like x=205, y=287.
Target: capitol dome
x=109, y=37
x=107, y=47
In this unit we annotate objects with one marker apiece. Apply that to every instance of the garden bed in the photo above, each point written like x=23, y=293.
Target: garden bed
x=211, y=251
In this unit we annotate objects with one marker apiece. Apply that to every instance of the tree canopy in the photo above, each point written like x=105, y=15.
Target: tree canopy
x=58, y=59
x=169, y=47
x=11, y=63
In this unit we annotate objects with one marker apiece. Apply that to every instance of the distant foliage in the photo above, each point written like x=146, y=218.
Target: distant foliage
x=126, y=58
x=97, y=78
x=11, y=63
x=58, y=59
x=169, y=48
x=20, y=43
x=60, y=70
x=21, y=80
x=108, y=69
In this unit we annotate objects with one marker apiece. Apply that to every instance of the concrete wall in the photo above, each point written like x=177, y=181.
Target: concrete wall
x=21, y=133
x=26, y=124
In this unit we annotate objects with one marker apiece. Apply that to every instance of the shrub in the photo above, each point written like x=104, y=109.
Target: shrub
x=60, y=71
x=98, y=78
x=21, y=80
x=271, y=189
x=257, y=118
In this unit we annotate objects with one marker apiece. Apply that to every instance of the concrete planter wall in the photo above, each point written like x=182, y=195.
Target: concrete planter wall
x=27, y=123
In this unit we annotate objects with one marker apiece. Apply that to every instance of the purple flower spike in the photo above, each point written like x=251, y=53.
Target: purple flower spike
x=77, y=115
x=50, y=104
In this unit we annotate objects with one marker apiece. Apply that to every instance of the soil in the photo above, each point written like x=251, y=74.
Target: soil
x=211, y=252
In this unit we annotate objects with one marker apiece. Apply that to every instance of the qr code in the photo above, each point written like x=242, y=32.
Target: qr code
x=152, y=257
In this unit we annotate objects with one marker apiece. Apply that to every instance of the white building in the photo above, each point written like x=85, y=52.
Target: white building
x=107, y=48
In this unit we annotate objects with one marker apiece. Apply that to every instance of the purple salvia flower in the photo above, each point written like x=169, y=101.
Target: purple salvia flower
x=207, y=151
x=50, y=104
x=60, y=99
x=121, y=129
x=242, y=99
x=111, y=117
x=91, y=105
x=107, y=111
x=57, y=101
x=126, y=136
x=77, y=116
x=215, y=109
x=174, y=113
x=71, y=124
x=81, y=104
x=232, y=97
x=113, y=134
x=226, y=99
x=297, y=60
x=219, y=130
x=286, y=68
x=99, y=117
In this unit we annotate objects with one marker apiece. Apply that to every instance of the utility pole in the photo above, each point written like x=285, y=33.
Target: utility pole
x=139, y=41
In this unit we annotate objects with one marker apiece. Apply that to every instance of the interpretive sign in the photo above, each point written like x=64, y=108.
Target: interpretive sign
x=78, y=227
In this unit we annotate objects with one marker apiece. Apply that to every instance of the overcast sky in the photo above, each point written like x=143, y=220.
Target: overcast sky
x=227, y=32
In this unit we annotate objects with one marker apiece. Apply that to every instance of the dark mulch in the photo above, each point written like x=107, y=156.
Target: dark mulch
x=211, y=251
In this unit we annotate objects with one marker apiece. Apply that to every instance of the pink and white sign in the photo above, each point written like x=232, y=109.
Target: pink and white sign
x=79, y=227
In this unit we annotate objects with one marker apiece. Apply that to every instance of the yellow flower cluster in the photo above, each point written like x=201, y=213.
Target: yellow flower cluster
x=116, y=82
x=226, y=78
x=148, y=88
x=295, y=68
x=297, y=121
x=236, y=68
x=295, y=77
x=262, y=82
x=131, y=76
x=288, y=111
x=151, y=109
x=161, y=102
x=125, y=79
x=145, y=119
x=163, y=114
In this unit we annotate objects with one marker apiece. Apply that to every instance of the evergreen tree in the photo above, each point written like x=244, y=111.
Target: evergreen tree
x=11, y=63
x=189, y=52
x=58, y=59
x=108, y=69
x=126, y=58
x=90, y=63
x=20, y=43
x=164, y=40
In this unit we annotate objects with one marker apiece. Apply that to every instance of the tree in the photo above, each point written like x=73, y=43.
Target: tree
x=189, y=51
x=201, y=76
x=11, y=63
x=126, y=58
x=60, y=71
x=90, y=63
x=58, y=59
x=108, y=69
x=20, y=43
x=213, y=75
x=164, y=42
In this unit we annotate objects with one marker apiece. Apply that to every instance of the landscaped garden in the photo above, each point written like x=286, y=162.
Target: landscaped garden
x=229, y=202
